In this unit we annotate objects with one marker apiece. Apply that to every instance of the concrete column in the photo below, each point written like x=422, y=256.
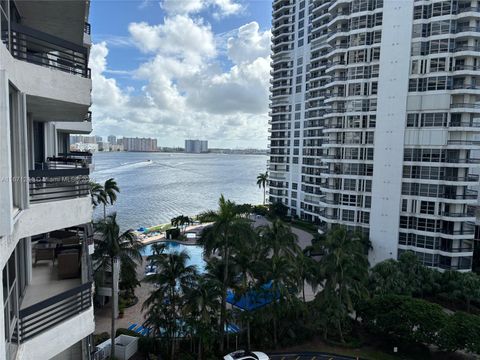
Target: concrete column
x=50, y=140
x=29, y=259
x=5, y=168
x=22, y=151
x=30, y=145
x=390, y=129
x=3, y=350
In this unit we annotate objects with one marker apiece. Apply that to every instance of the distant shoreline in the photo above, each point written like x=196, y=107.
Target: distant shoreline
x=227, y=152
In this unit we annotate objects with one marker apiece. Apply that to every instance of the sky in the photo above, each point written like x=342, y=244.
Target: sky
x=181, y=69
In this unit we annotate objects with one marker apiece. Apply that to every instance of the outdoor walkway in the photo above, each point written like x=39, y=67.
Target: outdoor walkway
x=304, y=237
x=132, y=314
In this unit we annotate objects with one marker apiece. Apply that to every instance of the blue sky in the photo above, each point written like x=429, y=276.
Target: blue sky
x=176, y=69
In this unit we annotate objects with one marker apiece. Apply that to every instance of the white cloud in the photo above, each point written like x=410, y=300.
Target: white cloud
x=222, y=7
x=248, y=44
x=179, y=35
x=182, y=6
x=186, y=91
x=105, y=91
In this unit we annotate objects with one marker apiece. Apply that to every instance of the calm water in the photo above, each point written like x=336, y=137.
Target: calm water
x=158, y=186
x=195, y=252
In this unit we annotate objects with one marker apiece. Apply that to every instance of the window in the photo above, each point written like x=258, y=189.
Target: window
x=349, y=184
x=348, y=215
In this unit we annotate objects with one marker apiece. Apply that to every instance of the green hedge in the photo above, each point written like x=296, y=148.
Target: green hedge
x=414, y=320
x=174, y=233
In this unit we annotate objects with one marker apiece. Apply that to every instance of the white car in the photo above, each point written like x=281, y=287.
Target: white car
x=246, y=355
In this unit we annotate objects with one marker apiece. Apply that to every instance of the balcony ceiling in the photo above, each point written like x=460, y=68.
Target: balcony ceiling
x=61, y=18
x=43, y=109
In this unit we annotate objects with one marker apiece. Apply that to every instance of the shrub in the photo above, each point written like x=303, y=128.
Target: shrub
x=405, y=318
x=100, y=338
x=461, y=332
x=173, y=233
x=279, y=210
x=260, y=210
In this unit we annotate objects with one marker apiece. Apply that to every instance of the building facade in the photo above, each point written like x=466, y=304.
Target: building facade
x=374, y=114
x=112, y=139
x=196, y=146
x=45, y=206
x=139, y=144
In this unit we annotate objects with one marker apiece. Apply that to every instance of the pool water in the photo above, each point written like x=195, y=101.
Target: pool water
x=194, y=251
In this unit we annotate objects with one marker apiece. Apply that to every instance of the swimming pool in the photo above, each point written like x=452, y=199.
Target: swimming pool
x=194, y=251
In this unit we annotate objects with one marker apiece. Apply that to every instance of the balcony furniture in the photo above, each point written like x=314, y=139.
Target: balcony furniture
x=68, y=262
x=45, y=251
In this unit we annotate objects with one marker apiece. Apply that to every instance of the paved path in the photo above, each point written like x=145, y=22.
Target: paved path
x=308, y=356
x=304, y=237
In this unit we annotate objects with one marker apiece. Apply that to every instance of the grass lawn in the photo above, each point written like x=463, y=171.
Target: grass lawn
x=161, y=227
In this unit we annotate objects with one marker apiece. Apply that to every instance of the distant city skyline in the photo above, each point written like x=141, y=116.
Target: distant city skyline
x=105, y=139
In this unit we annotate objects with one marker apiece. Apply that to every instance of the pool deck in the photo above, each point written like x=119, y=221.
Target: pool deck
x=146, y=239
x=135, y=314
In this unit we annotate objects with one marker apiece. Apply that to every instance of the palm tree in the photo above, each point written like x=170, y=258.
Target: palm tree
x=386, y=278
x=306, y=270
x=97, y=193
x=110, y=189
x=228, y=227
x=246, y=256
x=344, y=268
x=279, y=273
x=279, y=238
x=280, y=244
x=104, y=194
x=201, y=304
x=262, y=179
x=114, y=246
x=172, y=279
x=181, y=221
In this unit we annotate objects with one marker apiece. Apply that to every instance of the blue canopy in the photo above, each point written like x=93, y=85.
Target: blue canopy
x=253, y=299
x=232, y=328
